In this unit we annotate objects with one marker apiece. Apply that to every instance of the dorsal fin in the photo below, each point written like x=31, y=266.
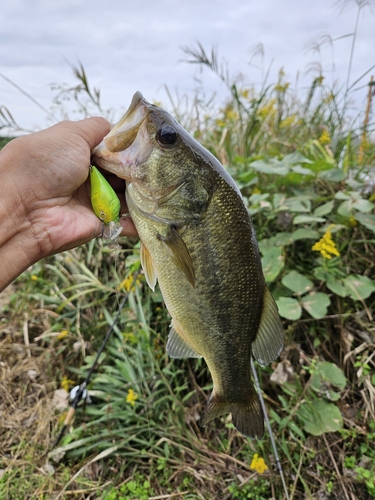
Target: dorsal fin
x=177, y=347
x=148, y=267
x=269, y=341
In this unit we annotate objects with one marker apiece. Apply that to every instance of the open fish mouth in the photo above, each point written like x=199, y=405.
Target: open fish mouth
x=128, y=143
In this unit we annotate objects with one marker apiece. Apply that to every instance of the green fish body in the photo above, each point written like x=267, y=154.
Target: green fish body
x=198, y=241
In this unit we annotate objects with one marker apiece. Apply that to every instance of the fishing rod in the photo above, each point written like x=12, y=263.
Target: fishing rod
x=106, y=207
x=268, y=424
x=82, y=389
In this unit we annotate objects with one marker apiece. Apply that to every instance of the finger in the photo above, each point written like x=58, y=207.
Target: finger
x=128, y=227
x=93, y=129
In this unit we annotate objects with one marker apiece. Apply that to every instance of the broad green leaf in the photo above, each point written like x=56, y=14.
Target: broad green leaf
x=302, y=233
x=272, y=263
x=360, y=287
x=334, y=175
x=289, y=308
x=320, y=416
x=273, y=166
x=367, y=220
x=283, y=239
x=298, y=204
x=321, y=274
x=279, y=240
x=345, y=209
x=259, y=203
x=322, y=165
x=302, y=170
x=279, y=202
x=297, y=282
x=363, y=205
x=327, y=374
x=295, y=159
x=342, y=196
x=354, y=203
x=324, y=209
x=306, y=219
x=316, y=304
x=337, y=286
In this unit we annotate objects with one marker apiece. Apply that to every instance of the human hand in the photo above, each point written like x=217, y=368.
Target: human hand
x=45, y=203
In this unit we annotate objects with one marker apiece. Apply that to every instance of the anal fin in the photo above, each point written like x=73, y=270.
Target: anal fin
x=148, y=267
x=269, y=340
x=177, y=347
x=177, y=249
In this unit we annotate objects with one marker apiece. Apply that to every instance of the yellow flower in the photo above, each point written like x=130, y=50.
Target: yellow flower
x=131, y=397
x=282, y=88
x=325, y=138
x=268, y=109
x=352, y=221
x=326, y=246
x=256, y=191
x=258, y=464
x=288, y=121
x=66, y=383
x=127, y=283
x=34, y=278
x=62, y=334
x=231, y=114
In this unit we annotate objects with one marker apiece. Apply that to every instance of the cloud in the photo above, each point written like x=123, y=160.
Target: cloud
x=126, y=46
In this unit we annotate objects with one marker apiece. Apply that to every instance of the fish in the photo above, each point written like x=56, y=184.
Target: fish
x=198, y=241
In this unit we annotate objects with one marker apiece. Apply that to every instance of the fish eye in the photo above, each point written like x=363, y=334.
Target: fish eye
x=166, y=136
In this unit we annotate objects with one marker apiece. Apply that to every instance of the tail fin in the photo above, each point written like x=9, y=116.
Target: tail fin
x=247, y=417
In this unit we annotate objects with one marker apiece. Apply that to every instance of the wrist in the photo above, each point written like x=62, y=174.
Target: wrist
x=17, y=248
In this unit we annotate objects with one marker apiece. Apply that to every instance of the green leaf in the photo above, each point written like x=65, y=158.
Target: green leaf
x=354, y=203
x=320, y=416
x=363, y=205
x=360, y=287
x=297, y=282
x=345, y=209
x=321, y=273
x=289, y=308
x=273, y=166
x=302, y=170
x=272, y=263
x=298, y=204
x=279, y=240
x=327, y=375
x=302, y=233
x=316, y=304
x=367, y=220
x=306, y=219
x=334, y=175
x=337, y=286
x=342, y=196
x=324, y=209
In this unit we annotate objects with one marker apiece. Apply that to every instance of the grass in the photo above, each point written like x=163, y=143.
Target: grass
x=306, y=172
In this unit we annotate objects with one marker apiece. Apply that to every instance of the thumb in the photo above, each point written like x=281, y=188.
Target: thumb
x=93, y=129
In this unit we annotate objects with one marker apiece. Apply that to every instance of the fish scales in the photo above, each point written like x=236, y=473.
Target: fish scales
x=198, y=240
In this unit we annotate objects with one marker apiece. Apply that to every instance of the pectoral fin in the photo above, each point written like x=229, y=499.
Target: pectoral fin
x=269, y=341
x=148, y=267
x=176, y=248
x=177, y=347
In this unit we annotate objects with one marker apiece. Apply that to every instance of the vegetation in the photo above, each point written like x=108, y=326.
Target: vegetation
x=307, y=175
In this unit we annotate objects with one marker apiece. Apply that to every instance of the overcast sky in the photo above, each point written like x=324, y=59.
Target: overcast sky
x=136, y=45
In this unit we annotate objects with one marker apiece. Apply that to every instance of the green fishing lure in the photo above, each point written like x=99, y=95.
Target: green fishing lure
x=105, y=204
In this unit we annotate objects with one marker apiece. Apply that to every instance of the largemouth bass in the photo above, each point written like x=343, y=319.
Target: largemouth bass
x=198, y=241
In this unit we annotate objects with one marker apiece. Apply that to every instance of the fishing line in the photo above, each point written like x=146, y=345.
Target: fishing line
x=82, y=392
x=268, y=424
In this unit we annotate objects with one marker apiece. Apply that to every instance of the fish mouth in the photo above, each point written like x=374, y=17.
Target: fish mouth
x=128, y=143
